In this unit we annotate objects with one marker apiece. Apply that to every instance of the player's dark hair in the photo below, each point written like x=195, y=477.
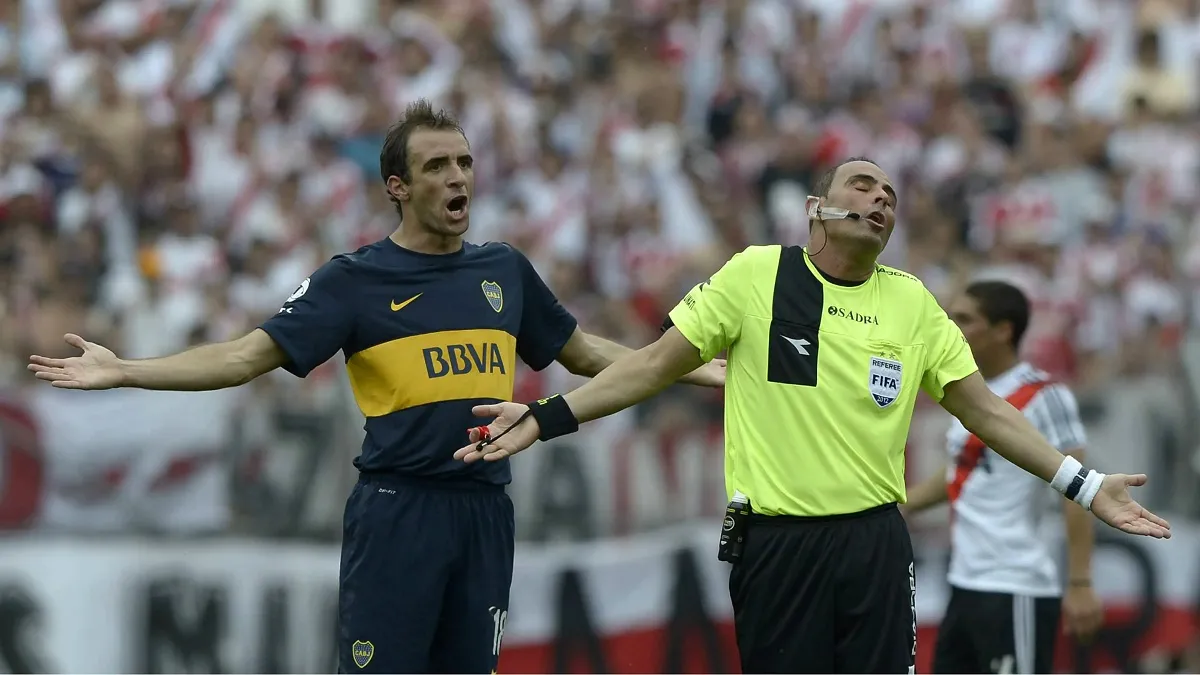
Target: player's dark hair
x=393, y=157
x=1001, y=302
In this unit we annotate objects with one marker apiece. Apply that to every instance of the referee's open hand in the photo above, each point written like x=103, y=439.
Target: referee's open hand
x=1115, y=506
x=504, y=446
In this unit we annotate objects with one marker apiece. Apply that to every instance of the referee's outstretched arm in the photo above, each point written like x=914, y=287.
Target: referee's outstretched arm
x=705, y=323
x=649, y=370
x=709, y=320
x=630, y=380
x=1004, y=429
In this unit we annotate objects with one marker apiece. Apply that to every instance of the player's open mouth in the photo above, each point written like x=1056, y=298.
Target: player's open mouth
x=457, y=207
x=877, y=218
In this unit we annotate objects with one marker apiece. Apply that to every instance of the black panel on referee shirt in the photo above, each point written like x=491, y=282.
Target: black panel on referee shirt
x=796, y=311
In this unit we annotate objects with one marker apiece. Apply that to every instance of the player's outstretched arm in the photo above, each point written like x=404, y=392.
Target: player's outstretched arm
x=587, y=355
x=630, y=380
x=1004, y=429
x=215, y=366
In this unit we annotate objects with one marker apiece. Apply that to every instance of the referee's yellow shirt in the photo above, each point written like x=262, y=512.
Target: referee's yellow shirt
x=822, y=377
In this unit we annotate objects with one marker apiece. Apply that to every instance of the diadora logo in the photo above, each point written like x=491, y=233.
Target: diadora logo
x=894, y=273
x=463, y=359
x=843, y=313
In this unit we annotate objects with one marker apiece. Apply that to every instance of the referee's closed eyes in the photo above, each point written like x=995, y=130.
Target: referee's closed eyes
x=827, y=350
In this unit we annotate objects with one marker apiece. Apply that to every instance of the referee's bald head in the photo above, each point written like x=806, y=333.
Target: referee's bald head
x=825, y=181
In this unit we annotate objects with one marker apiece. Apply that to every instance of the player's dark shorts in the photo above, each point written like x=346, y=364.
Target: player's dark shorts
x=426, y=569
x=826, y=595
x=997, y=633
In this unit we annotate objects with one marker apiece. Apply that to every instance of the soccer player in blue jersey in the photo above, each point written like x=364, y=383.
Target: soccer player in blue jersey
x=431, y=327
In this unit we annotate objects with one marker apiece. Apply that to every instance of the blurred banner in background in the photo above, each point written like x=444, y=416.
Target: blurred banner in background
x=236, y=566
x=656, y=603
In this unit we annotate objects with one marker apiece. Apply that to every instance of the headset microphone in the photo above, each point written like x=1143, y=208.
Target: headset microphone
x=829, y=212
x=817, y=213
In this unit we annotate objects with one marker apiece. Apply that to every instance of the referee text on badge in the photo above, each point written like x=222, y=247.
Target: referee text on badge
x=885, y=377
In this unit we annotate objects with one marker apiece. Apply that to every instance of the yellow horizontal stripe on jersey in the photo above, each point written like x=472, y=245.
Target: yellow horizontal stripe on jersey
x=433, y=367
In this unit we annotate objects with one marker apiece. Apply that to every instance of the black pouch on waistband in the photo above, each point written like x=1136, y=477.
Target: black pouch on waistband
x=733, y=531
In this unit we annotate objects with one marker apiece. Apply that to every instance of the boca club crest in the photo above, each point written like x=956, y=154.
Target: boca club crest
x=494, y=295
x=362, y=652
x=885, y=377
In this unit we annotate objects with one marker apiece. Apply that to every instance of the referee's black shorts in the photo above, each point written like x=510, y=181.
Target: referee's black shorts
x=826, y=595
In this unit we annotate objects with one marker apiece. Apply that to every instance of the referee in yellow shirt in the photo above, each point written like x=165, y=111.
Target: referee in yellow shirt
x=826, y=352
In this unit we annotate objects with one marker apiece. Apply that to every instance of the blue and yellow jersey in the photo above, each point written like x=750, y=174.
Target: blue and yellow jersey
x=425, y=337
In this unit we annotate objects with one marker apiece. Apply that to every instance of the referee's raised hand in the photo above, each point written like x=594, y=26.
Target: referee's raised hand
x=1114, y=505
x=507, y=443
x=97, y=368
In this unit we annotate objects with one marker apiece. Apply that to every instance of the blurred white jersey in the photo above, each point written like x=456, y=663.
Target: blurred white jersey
x=996, y=506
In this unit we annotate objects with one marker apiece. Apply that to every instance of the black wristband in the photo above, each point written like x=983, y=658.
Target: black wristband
x=554, y=417
x=1076, y=484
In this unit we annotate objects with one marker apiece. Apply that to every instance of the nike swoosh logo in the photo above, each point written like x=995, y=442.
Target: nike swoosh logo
x=799, y=344
x=397, y=306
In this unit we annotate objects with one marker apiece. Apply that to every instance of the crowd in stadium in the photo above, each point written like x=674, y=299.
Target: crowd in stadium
x=170, y=169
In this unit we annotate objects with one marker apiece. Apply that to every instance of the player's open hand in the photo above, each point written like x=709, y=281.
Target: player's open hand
x=1115, y=506
x=96, y=368
x=505, y=446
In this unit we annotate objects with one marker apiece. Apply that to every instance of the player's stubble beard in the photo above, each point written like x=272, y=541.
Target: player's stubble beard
x=436, y=223
x=436, y=226
x=430, y=232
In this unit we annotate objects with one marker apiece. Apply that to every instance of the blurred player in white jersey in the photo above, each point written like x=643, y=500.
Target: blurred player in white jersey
x=1006, y=589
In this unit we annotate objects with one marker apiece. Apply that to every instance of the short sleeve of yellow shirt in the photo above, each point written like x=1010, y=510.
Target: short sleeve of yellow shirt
x=710, y=315
x=950, y=357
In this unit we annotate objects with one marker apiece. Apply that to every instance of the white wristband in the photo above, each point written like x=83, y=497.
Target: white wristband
x=1091, y=485
x=1066, y=471
x=1076, y=483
